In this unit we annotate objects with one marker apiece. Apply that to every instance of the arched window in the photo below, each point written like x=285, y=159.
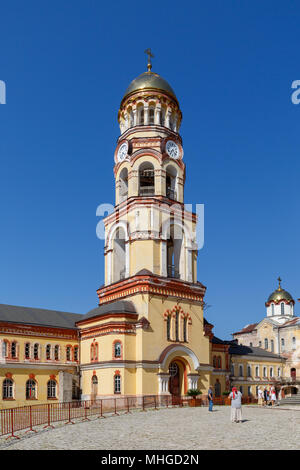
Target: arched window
x=273, y=309
x=293, y=342
x=162, y=116
x=48, y=352
x=215, y=362
x=171, y=182
x=219, y=362
x=271, y=371
x=249, y=371
x=174, y=251
x=7, y=389
x=293, y=373
x=5, y=348
x=265, y=372
x=169, y=327
x=51, y=389
x=117, y=383
x=119, y=255
x=27, y=351
x=282, y=308
x=123, y=185
x=241, y=372
x=68, y=353
x=185, y=329
x=282, y=344
x=266, y=343
x=36, y=351
x=56, y=352
x=257, y=371
x=76, y=353
x=146, y=179
x=94, y=351
x=30, y=389
x=13, y=349
x=177, y=326
x=117, y=350
x=232, y=369
x=278, y=372
x=140, y=115
x=272, y=345
x=151, y=114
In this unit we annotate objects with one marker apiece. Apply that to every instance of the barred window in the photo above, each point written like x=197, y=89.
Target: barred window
x=56, y=352
x=185, y=329
x=5, y=348
x=117, y=384
x=68, y=353
x=177, y=326
x=48, y=351
x=8, y=389
x=169, y=327
x=27, y=350
x=75, y=353
x=51, y=389
x=36, y=351
x=117, y=349
x=14, y=349
x=30, y=389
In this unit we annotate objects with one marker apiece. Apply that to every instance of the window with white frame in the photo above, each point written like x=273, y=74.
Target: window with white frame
x=117, y=383
x=27, y=350
x=7, y=389
x=30, y=389
x=51, y=389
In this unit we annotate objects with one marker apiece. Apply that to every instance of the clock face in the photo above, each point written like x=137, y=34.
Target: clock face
x=172, y=149
x=122, y=152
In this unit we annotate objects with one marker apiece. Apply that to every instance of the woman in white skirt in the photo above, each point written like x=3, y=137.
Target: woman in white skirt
x=236, y=406
x=273, y=395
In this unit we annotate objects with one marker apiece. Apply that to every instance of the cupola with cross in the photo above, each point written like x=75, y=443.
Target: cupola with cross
x=280, y=304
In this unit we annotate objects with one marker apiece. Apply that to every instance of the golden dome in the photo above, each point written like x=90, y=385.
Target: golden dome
x=280, y=294
x=149, y=81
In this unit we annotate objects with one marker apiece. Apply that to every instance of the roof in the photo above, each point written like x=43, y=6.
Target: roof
x=241, y=350
x=247, y=329
x=120, y=306
x=38, y=316
x=149, y=81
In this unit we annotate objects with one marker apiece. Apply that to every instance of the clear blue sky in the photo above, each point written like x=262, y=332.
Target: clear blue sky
x=66, y=65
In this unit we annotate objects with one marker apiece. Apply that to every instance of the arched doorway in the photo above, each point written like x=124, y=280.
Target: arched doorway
x=178, y=378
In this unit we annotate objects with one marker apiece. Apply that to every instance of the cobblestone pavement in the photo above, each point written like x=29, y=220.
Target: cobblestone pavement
x=172, y=429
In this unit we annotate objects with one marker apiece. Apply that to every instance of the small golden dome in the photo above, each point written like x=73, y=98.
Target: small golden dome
x=280, y=294
x=149, y=81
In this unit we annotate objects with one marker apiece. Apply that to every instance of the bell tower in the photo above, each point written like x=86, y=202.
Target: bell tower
x=149, y=229
x=151, y=305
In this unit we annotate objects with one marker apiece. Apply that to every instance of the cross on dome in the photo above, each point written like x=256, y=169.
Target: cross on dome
x=149, y=53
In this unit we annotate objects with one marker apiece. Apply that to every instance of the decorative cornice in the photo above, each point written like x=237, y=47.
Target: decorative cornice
x=154, y=285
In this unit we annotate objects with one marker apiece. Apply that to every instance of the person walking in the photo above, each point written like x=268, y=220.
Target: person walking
x=236, y=406
x=210, y=399
x=260, y=395
x=273, y=395
x=265, y=396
